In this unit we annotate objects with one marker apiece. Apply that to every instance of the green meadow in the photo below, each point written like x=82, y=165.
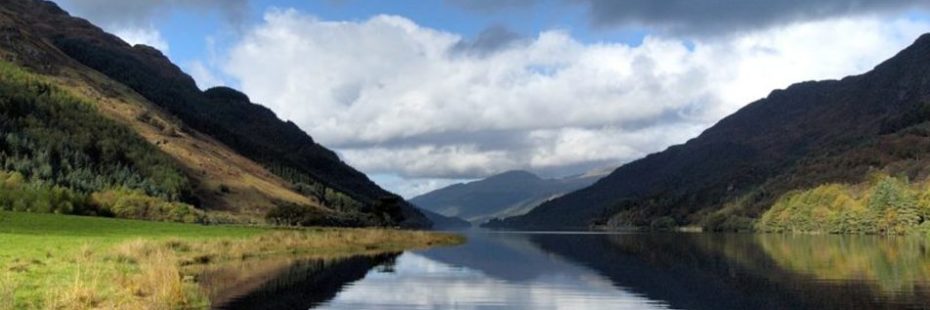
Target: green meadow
x=74, y=262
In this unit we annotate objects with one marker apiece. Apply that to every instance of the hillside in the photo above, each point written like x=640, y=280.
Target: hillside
x=235, y=157
x=443, y=222
x=507, y=194
x=812, y=133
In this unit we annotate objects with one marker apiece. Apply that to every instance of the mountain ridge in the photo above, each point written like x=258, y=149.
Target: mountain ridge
x=807, y=134
x=505, y=194
x=279, y=159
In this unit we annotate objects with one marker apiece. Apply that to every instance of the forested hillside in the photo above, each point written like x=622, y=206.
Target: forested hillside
x=812, y=133
x=224, y=153
x=59, y=155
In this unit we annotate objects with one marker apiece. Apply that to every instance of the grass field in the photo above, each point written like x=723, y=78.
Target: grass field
x=69, y=262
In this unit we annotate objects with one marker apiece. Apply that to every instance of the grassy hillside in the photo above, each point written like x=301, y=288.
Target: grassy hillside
x=63, y=157
x=224, y=114
x=238, y=156
x=64, y=152
x=231, y=157
x=51, y=135
x=68, y=262
x=811, y=133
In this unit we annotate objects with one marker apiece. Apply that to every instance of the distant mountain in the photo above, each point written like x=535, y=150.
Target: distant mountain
x=811, y=133
x=443, y=222
x=507, y=194
x=230, y=155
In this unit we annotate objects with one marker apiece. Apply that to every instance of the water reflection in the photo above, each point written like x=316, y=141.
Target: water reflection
x=896, y=267
x=286, y=283
x=741, y=271
x=599, y=271
x=422, y=281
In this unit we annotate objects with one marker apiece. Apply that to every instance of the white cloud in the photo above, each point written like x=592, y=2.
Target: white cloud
x=147, y=36
x=145, y=13
x=412, y=187
x=425, y=160
x=421, y=283
x=389, y=95
x=203, y=75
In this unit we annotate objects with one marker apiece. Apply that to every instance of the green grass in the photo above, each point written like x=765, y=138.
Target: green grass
x=38, y=250
x=103, y=229
x=74, y=262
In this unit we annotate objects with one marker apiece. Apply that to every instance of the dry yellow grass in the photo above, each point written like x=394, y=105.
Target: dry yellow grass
x=150, y=274
x=252, y=188
x=72, y=262
x=7, y=290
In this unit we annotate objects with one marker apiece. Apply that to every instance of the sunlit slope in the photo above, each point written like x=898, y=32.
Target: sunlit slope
x=240, y=157
x=224, y=180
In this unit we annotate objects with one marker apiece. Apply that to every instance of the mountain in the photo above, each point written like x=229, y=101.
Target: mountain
x=443, y=222
x=237, y=157
x=812, y=133
x=507, y=194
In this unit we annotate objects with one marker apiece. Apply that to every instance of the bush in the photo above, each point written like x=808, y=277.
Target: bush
x=291, y=214
x=287, y=214
x=19, y=194
x=886, y=206
x=135, y=204
x=893, y=207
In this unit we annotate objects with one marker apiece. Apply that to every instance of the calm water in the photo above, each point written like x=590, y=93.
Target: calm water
x=598, y=271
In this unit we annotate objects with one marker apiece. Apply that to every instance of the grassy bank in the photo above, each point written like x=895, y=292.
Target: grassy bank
x=69, y=262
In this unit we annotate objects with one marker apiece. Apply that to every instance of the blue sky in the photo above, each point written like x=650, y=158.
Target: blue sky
x=186, y=31
x=422, y=94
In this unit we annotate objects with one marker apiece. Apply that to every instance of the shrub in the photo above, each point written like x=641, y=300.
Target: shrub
x=287, y=214
x=291, y=214
x=19, y=194
x=135, y=204
x=888, y=206
x=893, y=207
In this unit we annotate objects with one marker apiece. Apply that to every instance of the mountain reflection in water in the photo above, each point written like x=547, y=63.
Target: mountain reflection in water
x=599, y=271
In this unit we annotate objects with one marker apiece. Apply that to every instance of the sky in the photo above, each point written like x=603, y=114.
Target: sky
x=423, y=94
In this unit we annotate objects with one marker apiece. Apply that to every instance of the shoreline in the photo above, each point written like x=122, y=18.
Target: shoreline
x=110, y=263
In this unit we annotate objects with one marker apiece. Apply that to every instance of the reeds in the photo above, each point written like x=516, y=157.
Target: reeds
x=82, y=292
x=149, y=274
x=7, y=293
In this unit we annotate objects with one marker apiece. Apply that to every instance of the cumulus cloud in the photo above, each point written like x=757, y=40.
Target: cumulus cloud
x=412, y=187
x=394, y=97
x=142, y=13
x=203, y=75
x=136, y=21
x=146, y=36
